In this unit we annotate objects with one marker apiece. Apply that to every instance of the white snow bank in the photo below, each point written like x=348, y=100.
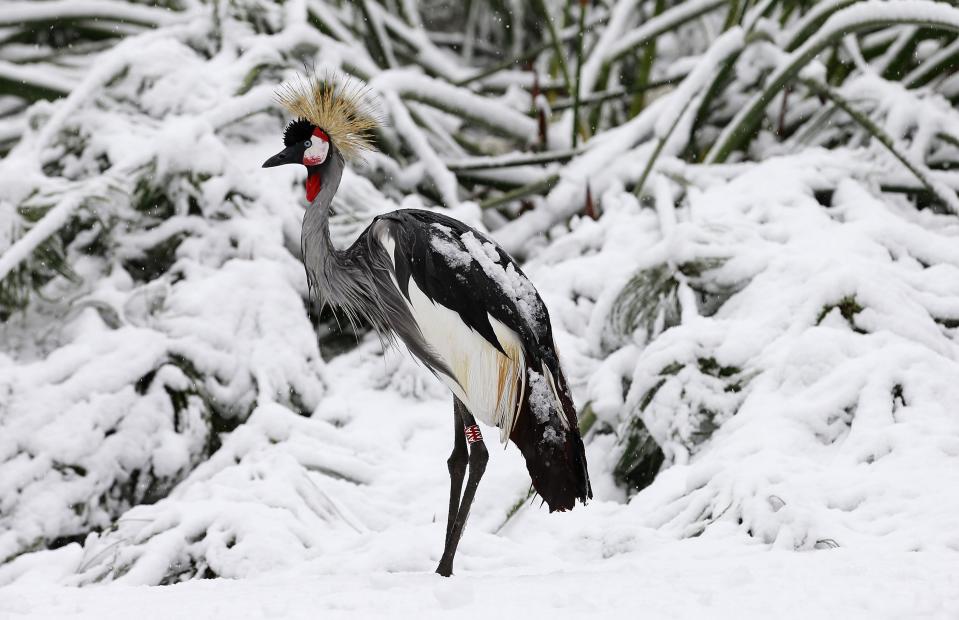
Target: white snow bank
x=809, y=407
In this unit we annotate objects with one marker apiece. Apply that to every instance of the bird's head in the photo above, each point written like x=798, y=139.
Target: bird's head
x=305, y=144
x=308, y=145
x=335, y=119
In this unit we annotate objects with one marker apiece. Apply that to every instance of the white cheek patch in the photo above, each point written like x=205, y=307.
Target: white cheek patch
x=316, y=154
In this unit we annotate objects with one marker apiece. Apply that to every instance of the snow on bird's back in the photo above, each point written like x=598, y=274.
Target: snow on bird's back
x=516, y=286
x=540, y=398
x=443, y=243
x=462, y=252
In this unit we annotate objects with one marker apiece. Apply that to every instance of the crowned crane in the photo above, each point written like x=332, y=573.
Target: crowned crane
x=459, y=302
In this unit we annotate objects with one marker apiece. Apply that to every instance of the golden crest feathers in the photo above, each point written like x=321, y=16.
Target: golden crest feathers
x=342, y=107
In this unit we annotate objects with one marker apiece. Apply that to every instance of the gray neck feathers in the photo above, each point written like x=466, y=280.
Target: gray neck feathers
x=336, y=277
x=359, y=280
x=319, y=254
x=324, y=263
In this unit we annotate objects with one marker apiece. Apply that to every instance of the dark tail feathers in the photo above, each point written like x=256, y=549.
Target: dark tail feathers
x=554, y=452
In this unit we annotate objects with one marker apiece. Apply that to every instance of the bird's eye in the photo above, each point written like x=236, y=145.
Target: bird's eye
x=308, y=144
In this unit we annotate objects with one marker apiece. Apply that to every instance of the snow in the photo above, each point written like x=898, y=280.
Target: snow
x=441, y=176
x=365, y=541
x=55, y=81
x=942, y=55
x=699, y=579
x=727, y=44
x=26, y=244
x=785, y=331
x=516, y=286
x=343, y=510
x=850, y=19
x=435, y=59
x=618, y=23
x=791, y=36
x=540, y=398
x=16, y=12
x=502, y=161
x=658, y=24
x=597, y=165
x=451, y=251
x=409, y=84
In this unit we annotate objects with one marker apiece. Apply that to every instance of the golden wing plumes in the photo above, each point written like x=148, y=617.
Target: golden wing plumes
x=342, y=107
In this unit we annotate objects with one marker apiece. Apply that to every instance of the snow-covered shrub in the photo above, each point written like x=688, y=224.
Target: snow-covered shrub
x=251, y=506
x=154, y=311
x=822, y=371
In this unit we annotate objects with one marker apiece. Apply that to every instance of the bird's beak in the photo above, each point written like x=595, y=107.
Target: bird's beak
x=286, y=156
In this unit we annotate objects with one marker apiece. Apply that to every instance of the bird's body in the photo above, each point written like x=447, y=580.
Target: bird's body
x=464, y=308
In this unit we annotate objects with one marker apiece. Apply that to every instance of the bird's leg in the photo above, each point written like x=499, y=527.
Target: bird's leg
x=477, y=465
x=456, y=464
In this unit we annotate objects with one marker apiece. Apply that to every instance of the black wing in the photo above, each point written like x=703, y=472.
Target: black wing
x=459, y=267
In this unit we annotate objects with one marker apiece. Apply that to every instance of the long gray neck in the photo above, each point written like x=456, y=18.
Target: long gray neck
x=323, y=261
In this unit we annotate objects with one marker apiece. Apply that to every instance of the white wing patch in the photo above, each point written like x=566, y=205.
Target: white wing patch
x=490, y=384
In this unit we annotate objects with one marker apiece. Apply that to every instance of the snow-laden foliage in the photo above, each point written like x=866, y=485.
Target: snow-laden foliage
x=741, y=216
x=829, y=365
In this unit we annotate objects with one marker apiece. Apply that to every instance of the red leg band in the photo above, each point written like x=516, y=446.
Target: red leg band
x=473, y=434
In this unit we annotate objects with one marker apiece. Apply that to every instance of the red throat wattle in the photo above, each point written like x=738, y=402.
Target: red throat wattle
x=313, y=186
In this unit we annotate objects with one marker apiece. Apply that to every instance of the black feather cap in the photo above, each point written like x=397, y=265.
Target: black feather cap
x=299, y=130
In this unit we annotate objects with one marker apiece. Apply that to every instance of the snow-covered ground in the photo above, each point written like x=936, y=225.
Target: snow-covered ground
x=693, y=579
x=369, y=469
